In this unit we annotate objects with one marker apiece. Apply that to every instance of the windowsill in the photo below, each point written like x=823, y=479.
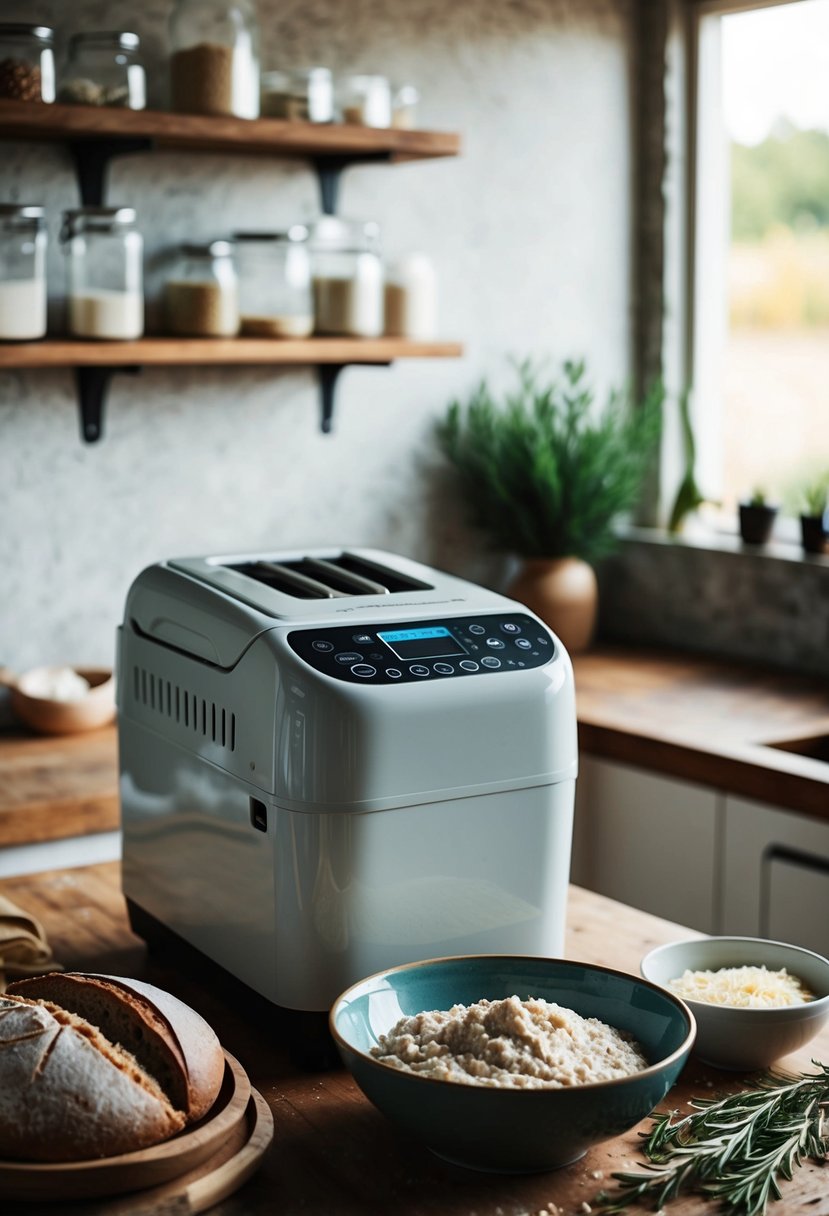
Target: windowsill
x=704, y=540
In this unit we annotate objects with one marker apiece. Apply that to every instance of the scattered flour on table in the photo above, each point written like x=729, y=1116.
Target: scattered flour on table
x=532, y=1044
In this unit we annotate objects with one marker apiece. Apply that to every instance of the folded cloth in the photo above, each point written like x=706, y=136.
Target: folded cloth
x=24, y=949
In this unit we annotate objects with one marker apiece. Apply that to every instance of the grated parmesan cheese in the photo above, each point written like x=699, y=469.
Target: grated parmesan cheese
x=742, y=988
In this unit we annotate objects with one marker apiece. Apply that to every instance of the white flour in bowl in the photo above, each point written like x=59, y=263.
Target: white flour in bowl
x=514, y=1044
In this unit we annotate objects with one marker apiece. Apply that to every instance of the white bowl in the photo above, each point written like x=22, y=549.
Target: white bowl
x=744, y=1039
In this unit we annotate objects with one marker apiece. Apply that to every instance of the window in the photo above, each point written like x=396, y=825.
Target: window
x=760, y=278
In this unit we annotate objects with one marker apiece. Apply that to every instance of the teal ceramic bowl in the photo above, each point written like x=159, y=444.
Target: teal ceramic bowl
x=511, y=1130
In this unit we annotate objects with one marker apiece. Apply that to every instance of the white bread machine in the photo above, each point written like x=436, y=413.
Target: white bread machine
x=336, y=761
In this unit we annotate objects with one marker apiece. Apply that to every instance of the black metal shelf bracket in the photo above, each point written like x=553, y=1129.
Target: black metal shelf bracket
x=329, y=171
x=92, y=159
x=329, y=374
x=93, y=384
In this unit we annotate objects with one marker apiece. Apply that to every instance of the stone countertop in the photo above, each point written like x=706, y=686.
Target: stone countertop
x=708, y=721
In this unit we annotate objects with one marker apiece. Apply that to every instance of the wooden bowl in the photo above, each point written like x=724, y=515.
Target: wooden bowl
x=49, y=717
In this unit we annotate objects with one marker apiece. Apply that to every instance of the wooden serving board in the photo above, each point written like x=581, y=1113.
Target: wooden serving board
x=199, y=1189
x=192, y=1148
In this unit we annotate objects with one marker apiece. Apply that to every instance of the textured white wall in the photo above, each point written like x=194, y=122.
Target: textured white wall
x=530, y=233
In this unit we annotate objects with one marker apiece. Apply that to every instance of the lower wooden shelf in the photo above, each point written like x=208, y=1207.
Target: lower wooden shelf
x=95, y=363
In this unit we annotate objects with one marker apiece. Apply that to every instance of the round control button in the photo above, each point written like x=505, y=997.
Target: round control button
x=469, y=665
x=419, y=670
x=444, y=669
x=490, y=661
x=364, y=670
x=507, y=627
x=476, y=629
x=322, y=647
x=348, y=656
x=362, y=639
x=524, y=643
x=394, y=673
x=543, y=641
x=495, y=643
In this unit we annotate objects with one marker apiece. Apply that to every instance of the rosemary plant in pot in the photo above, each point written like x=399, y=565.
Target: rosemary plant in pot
x=546, y=474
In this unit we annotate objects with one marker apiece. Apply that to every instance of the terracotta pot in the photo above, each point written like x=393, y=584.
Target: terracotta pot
x=564, y=593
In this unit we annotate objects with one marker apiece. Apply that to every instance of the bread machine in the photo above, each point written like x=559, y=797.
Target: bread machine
x=337, y=761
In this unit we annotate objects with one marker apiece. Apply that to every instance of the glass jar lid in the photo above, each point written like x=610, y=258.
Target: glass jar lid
x=106, y=40
x=330, y=232
x=20, y=29
x=96, y=219
x=26, y=212
x=296, y=233
x=210, y=249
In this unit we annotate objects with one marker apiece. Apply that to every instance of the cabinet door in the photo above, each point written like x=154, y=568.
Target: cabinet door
x=775, y=874
x=647, y=840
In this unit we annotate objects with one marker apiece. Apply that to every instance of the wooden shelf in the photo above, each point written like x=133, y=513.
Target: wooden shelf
x=204, y=133
x=179, y=352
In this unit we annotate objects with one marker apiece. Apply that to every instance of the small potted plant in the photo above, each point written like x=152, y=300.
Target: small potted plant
x=814, y=513
x=546, y=474
x=757, y=517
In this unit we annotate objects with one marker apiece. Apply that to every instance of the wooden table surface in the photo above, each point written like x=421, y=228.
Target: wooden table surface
x=334, y=1154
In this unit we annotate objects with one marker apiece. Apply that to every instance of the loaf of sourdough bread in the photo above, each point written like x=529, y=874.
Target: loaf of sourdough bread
x=169, y=1040
x=67, y=1094
x=93, y=1065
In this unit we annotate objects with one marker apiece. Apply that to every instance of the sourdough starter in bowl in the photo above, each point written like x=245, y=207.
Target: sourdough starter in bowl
x=532, y=1044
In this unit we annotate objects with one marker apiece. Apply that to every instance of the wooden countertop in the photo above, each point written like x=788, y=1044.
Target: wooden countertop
x=706, y=720
x=334, y=1154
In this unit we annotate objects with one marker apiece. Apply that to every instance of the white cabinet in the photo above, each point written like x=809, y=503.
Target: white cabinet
x=775, y=878
x=648, y=841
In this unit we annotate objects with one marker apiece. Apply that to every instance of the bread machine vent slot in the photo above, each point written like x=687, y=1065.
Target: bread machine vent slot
x=195, y=713
x=320, y=578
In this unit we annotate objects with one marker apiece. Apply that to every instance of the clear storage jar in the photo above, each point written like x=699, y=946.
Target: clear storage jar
x=275, y=299
x=27, y=62
x=201, y=296
x=22, y=273
x=104, y=69
x=214, y=68
x=348, y=277
x=366, y=100
x=104, y=251
x=302, y=95
x=411, y=299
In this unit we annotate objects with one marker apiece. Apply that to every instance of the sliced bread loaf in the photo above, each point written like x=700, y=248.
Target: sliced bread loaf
x=68, y=1094
x=170, y=1040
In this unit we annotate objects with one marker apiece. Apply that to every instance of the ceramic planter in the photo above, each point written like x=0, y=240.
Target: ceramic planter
x=564, y=593
x=813, y=533
x=756, y=522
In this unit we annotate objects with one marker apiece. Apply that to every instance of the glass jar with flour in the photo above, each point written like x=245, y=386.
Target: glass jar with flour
x=214, y=67
x=348, y=277
x=201, y=295
x=105, y=292
x=22, y=273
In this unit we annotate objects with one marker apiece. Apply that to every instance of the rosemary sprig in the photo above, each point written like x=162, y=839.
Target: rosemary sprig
x=733, y=1150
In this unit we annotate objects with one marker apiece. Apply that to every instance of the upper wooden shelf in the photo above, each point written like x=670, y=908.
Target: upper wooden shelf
x=74, y=352
x=206, y=133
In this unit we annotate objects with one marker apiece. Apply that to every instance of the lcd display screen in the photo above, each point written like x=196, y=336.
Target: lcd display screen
x=409, y=644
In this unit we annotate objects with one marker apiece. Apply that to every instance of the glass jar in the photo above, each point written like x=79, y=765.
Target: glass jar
x=366, y=100
x=22, y=273
x=104, y=273
x=411, y=299
x=404, y=107
x=104, y=69
x=201, y=296
x=347, y=277
x=304, y=95
x=27, y=62
x=215, y=57
x=275, y=299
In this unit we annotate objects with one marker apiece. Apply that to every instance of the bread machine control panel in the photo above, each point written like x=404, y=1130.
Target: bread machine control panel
x=425, y=650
